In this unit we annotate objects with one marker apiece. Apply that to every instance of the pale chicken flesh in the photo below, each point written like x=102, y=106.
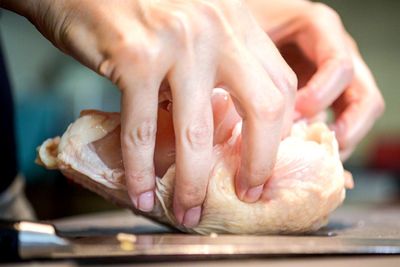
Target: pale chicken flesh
x=307, y=184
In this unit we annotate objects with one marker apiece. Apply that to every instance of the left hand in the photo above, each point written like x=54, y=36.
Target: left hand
x=330, y=69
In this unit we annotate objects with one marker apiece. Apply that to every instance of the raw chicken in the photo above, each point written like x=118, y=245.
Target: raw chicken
x=307, y=184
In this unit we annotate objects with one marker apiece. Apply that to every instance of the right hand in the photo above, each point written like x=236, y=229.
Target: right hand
x=195, y=46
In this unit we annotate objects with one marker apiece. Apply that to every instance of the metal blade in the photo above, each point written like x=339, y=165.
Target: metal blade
x=223, y=246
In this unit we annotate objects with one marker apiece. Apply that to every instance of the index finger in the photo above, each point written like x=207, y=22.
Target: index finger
x=138, y=130
x=329, y=51
x=261, y=106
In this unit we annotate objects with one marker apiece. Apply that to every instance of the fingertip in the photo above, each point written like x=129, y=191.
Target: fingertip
x=188, y=218
x=146, y=201
x=253, y=194
x=246, y=192
x=259, y=150
x=346, y=153
x=348, y=180
x=134, y=199
x=179, y=211
x=337, y=128
x=140, y=187
x=187, y=212
x=191, y=217
x=306, y=104
x=187, y=207
x=220, y=101
x=346, y=148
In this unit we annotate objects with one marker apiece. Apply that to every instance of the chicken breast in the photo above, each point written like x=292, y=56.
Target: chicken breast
x=307, y=184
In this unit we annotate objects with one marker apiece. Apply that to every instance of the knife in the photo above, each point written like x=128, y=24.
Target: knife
x=24, y=239
x=36, y=240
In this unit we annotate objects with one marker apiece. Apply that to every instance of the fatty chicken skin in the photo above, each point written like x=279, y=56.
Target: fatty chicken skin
x=307, y=184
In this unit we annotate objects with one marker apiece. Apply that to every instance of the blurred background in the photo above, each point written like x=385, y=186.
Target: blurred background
x=50, y=89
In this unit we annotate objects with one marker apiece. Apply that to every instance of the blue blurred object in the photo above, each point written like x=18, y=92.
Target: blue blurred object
x=38, y=117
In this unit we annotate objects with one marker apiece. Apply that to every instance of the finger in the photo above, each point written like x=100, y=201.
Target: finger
x=320, y=117
x=224, y=116
x=324, y=88
x=138, y=130
x=354, y=122
x=279, y=71
x=346, y=153
x=357, y=109
x=262, y=106
x=330, y=53
x=193, y=125
x=350, y=126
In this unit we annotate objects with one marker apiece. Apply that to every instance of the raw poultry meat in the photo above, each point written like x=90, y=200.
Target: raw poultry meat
x=307, y=184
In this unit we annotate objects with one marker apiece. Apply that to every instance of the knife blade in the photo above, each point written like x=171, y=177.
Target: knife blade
x=32, y=240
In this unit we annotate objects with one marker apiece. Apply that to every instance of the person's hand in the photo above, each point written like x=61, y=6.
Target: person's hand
x=328, y=65
x=194, y=46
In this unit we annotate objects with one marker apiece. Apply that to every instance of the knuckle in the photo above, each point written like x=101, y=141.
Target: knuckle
x=141, y=53
x=179, y=24
x=125, y=50
x=135, y=50
x=140, y=178
x=106, y=68
x=210, y=10
x=191, y=195
x=199, y=134
x=289, y=84
x=111, y=70
x=189, y=23
x=319, y=14
x=142, y=135
x=325, y=12
x=269, y=109
x=257, y=175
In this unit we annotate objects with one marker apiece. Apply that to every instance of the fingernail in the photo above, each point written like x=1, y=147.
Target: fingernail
x=220, y=92
x=134, y=200
x=146, y=201
x=192, y=217
x=253, y=194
